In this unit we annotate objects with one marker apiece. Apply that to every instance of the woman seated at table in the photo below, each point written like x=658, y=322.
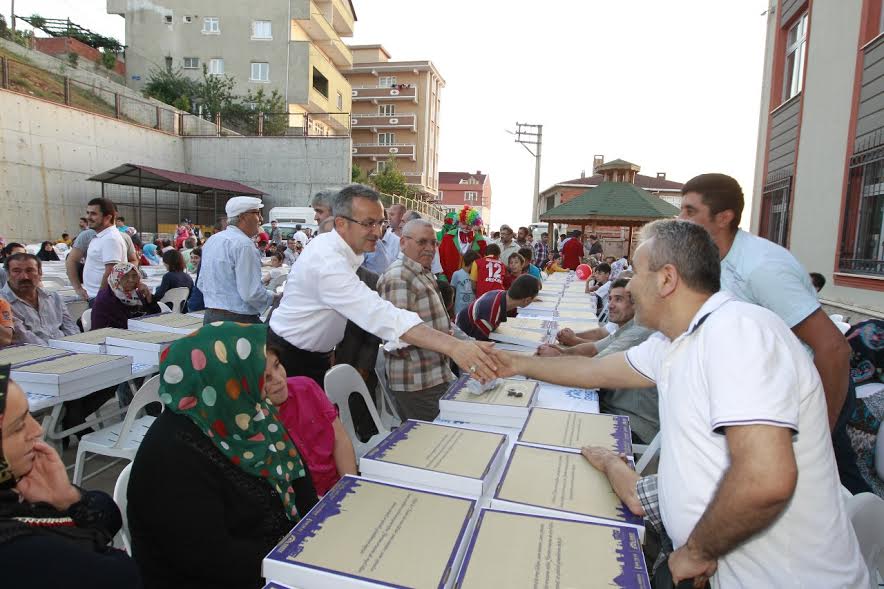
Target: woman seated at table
x=176, y=277
x=277, y=269
x=312, y=422
x=125, y=297
x=217, y=481
x=47, y=253
x=52, y=534
x=195, y=301
x=149, y=256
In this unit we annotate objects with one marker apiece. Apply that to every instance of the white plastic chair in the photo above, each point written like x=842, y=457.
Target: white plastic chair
x=120, y=440
x=86, y=319
x=277, y=282
x=836, y=317
x=648, y=452
x=879, y=452
x=387, y=407
x=340, y=382
x=76, y=309
x=866, y=511
x=842, y=326
x=175, y=297
x=121, y=498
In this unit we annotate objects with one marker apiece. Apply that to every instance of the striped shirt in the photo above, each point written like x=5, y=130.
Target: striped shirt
x=483, y=315
x=408, y=285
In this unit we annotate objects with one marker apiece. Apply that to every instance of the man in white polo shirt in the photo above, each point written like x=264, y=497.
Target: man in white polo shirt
x=746, y=501
x=106, y=249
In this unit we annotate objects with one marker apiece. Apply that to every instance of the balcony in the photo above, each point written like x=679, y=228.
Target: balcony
x=375, y=121
x=326, y=37
x=382, y=152
x=376, y=93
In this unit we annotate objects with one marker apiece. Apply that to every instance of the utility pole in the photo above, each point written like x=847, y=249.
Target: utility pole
x=12, y=15
x=531, y=136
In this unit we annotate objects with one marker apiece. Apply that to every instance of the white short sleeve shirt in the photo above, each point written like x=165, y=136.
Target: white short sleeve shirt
x=105, y=248
x=739, y=364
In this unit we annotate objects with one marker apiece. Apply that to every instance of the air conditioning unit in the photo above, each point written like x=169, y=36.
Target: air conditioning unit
x=394, y=150
x=188, y=19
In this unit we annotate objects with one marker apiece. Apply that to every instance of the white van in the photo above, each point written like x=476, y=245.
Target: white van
x=293, y=215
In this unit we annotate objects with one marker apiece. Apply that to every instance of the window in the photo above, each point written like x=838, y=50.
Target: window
x=320, y=82
x=550, y=202
x=191, y=63
x=386, y=139
x=470, y=195
x=169, y=63
x=796, y=45
x=168, y=19
x=862, y=238
x=775, y=211
x=212, y=25
x=340, y=102
x=387, y=81
x=441, y=195
x=216, y=67
x=386, y=110
x=382, y=166
x=260, y=72
x=262, y=29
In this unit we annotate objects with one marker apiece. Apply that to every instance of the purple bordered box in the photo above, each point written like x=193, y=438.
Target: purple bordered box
x=91, y=342
x=572, y=430
x=440, y=457
x=524, y=551
x=169, y=322
x=72, y=374
x=458, y=404
x=369, y=534
x=19, y=355
x=560, y=483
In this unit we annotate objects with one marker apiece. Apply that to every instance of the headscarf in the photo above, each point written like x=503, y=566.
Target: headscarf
x=130, y=299
x=7, y=481
x=47, y=256
x=215, y=378
x=150, y=252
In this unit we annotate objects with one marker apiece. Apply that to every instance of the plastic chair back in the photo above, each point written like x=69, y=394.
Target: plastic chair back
x=86, y=320
x=121, y=498
x=342, y=381
x=175, y=297
x=866, y=511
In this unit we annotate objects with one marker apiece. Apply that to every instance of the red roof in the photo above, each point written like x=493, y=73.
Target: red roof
x=642, y=181
x=147, y=177
x=456, y=177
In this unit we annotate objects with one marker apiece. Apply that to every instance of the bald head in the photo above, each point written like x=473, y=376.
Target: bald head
x=394, y=214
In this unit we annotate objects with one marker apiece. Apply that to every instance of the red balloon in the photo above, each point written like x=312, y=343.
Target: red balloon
x=583, y=271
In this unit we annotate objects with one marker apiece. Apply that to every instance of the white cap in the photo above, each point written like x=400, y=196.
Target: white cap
x=240, y=204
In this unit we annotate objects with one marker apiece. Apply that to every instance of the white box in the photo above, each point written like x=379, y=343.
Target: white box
x=493, y=407
x=439, y=457
x=73, y=373
x=91, y=342
x=144, y=347
x=24, y=354
x=519, y=337
x=365, y=533
x=572, y=430
x=168, y=322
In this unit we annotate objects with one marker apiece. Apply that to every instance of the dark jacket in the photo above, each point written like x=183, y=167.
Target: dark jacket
x=173, y=280
x=109, y=311
x=196, y=519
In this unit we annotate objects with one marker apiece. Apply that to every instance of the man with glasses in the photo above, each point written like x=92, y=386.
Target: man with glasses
x=230, y=269
x=418, y=377
x=323, y=292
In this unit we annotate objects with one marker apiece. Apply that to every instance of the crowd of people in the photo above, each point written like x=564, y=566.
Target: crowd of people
x=709, y=337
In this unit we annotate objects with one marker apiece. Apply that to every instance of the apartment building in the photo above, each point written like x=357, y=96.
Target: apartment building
x=457, y=189
x=819, y=180
x=396, y=113
x=292, y=46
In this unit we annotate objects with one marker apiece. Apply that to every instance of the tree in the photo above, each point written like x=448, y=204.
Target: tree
x=390, y=180
x=170, y=86
x=215, y=93
x=358, y=175
x=276, y=121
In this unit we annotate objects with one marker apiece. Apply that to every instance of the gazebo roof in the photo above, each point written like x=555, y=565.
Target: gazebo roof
x=618, y=164
x=613, y=201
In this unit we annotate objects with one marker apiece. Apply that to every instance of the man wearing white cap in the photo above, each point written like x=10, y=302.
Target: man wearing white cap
x=230, y=269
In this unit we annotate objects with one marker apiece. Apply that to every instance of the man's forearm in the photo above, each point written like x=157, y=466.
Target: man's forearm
x=834, y=372
x=587, y=350
x=70, y=266
x=566, y=371
x=428, y=338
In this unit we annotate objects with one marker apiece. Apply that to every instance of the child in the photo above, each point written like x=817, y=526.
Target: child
x=463, y=286
x=487, y=273
x=600, y=284
x=276, y=268
x=491, y=309
x=554, y=265
x=516, y=266
x=530, y=268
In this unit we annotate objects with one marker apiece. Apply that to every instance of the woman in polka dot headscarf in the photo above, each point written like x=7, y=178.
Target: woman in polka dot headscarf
x=217, y=480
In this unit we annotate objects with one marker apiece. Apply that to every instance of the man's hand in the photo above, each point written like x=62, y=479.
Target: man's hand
x=567, y=337
x=600, y=457
x=686, y=563
x=48, y=482
x=548, y=350
x=82, y=293
x=474, y=359
x=507, y=363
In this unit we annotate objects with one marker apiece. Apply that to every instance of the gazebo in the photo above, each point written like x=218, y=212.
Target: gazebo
x=616, y=202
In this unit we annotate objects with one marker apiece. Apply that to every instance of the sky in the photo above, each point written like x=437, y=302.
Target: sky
x=673, y=86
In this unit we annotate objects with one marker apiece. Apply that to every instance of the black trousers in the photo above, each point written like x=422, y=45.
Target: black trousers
x=213, y=315
x=845, y=457
x=298, y=362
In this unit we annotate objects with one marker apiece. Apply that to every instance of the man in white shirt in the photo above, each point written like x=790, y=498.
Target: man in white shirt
x=105, y=250
x=746, y=501
x=322, y=204
x=323, y=292
x=300, y=236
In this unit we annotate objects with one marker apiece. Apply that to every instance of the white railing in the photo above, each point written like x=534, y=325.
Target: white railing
x=383, y=145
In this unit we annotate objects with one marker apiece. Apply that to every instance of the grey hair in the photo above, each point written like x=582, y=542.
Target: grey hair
x=323, y=198
x=327, y=225
x=343, y=203
x=233, y=220
x=413, y=225
x=412, y=215
x=689, y=248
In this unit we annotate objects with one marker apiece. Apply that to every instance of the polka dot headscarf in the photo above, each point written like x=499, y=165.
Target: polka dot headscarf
x=215, y=377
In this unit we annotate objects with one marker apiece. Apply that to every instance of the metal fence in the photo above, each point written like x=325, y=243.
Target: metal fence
x=433, y=212
x=858, y=266
x=29, y=80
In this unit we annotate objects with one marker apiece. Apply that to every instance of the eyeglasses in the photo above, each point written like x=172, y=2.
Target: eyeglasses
x=422, y=242
x=367, y=224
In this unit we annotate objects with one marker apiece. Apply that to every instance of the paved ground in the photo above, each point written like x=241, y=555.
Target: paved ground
x=105, y=480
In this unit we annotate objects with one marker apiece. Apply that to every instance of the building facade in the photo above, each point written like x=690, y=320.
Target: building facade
x=819, y=180
x=291, y=46
x=457, y=189
x=396, y=115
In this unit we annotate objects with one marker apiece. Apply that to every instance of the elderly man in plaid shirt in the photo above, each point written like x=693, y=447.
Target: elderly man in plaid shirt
x=418, y=377
x=541, y=251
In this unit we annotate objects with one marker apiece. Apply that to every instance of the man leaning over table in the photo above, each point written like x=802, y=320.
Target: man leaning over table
x=735, y=387
x=323, y=292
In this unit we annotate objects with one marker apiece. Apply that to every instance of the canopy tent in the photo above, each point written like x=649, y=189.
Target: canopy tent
x=157, y=179
x=618, y=204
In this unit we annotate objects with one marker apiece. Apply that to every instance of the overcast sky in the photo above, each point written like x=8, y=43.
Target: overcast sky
x=672, y=86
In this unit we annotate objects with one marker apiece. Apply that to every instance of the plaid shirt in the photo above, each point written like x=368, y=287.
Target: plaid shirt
x=541, y=253
x=409, y=286
x=646, y=489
